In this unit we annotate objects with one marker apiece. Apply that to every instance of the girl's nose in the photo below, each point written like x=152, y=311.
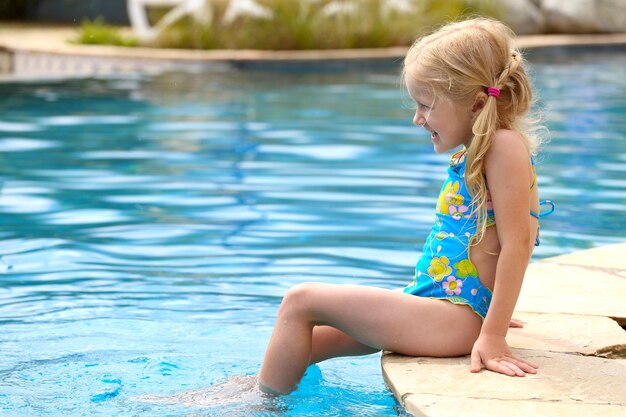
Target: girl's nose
x=418, y=119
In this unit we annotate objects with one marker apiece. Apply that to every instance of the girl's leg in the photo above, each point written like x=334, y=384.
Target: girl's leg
x=328, y=342
x=374, y=317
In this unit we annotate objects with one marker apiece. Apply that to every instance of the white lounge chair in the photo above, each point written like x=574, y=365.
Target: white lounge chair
x=199, y=9
x=238, y=8
x=139, y=17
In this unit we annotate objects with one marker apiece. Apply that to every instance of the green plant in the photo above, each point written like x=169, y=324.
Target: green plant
x=99, y=33
x=301, y=25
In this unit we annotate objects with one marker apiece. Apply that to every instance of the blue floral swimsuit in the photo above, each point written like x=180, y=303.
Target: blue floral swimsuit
x=444, y=271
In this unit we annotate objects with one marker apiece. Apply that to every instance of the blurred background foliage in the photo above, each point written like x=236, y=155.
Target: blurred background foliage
x=303, y=25
x=300, y=24
x=97, y=32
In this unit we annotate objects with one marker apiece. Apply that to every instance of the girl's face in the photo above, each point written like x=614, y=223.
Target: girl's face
x=450, y=124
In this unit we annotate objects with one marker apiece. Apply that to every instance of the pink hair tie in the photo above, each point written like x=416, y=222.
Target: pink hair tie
x=492, y=91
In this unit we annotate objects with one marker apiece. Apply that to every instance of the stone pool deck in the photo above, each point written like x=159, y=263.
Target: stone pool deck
x=573, y=306
x=31, y=51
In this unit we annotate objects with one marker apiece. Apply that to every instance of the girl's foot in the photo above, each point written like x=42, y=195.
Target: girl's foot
x=242, y=389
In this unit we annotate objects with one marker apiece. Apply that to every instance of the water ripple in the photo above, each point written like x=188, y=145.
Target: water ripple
x=8, y=144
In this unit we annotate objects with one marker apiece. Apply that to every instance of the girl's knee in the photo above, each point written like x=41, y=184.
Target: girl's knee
x=301, y=294
x=300, y=298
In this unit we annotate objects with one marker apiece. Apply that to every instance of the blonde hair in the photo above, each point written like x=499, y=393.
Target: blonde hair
x=459, y=61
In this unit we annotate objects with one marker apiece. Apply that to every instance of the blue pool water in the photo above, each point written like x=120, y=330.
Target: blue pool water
x=150, y=225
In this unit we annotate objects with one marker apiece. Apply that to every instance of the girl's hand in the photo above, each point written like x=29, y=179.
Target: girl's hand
x=516, y=323
x=494, y=353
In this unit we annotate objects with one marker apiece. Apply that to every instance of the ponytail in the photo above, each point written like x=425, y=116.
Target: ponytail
x=484, y=130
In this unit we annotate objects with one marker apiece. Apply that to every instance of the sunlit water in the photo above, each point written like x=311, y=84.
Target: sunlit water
x=150, y=225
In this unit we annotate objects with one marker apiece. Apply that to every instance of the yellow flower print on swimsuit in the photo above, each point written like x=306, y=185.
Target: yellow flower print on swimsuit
x=439, y=267
x=452, y=202
x=465, y=268
x=449, y=196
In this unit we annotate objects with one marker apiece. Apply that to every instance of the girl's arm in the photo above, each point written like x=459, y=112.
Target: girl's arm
x=508, y=172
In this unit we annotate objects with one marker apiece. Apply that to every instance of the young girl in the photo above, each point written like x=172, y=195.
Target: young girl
x=471, y=91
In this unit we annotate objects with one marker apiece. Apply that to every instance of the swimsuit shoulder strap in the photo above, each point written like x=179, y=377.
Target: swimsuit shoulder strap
x=544, y=213
x=532, y=162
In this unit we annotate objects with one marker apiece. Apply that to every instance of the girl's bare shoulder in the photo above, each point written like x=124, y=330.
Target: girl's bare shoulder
x=508, y=146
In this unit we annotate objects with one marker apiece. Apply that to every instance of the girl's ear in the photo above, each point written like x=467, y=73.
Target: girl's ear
x=479, y=102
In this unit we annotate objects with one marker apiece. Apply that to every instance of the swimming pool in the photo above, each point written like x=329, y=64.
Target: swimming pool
x=150, y=225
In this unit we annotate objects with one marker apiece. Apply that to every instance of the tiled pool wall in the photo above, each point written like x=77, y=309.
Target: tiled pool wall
x=29, y=63
x=32, y=63
x=5, y=61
